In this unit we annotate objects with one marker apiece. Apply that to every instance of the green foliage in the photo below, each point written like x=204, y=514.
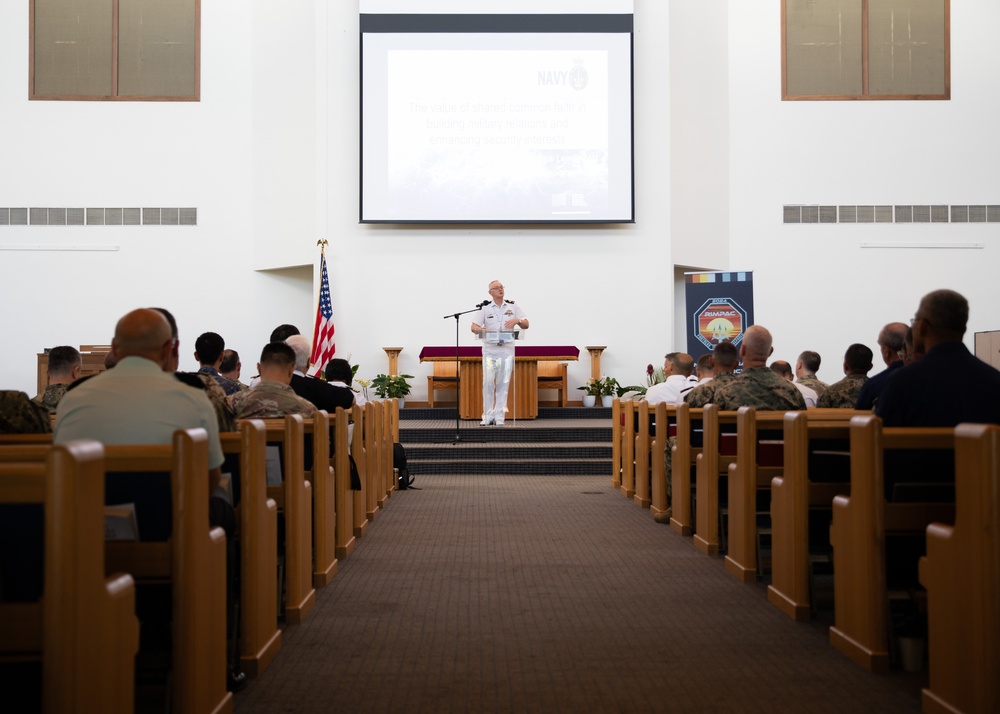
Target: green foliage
x=601, y=387
x=391, y=386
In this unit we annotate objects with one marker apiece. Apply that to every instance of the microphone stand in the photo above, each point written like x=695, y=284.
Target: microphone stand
x=458, y=375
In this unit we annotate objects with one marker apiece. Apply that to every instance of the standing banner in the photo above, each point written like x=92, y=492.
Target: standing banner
x=719, y=306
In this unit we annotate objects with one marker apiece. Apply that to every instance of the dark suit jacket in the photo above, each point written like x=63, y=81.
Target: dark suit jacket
x=323, y=395
x=945, y=387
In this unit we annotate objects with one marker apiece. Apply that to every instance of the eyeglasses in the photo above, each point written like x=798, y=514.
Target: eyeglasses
x=496, y=287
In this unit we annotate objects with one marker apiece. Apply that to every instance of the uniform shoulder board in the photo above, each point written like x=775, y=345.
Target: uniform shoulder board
x=190, y=379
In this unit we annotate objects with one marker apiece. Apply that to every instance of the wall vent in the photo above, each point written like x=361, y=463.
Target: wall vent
x=801, y=213
x=98, y=216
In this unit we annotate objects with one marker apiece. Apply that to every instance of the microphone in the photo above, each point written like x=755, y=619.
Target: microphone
x=484, y=303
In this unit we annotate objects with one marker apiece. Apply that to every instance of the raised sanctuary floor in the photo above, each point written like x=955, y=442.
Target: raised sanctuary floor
x=551, y=593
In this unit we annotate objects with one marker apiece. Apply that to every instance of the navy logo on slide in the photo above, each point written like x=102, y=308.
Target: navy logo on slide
x=578, y=77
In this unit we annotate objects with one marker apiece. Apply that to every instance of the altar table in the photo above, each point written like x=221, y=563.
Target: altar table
x=522, y=398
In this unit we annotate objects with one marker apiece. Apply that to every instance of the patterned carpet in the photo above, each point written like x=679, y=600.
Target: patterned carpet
x=550, y=594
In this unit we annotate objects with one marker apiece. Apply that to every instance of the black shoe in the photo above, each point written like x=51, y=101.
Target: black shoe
x=235, y=681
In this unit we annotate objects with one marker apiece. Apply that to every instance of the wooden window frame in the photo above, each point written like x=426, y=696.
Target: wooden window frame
x=865, y=96
x=114, y=97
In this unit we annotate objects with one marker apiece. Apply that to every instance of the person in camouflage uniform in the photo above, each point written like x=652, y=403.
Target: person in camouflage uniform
x=806, y=368
x=844, y=394
x=64, y=368
x=272, y=396
x=725, y=359
x=21, y=415
x=757, y=386
x=231, y=367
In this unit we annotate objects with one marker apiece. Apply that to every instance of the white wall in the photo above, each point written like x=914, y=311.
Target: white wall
x=815, y=286
x=270, y=158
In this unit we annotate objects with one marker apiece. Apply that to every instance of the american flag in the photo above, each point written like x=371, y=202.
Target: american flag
x=324, y=346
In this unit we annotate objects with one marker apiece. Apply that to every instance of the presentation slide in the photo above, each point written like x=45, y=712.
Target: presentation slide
x=505, y=127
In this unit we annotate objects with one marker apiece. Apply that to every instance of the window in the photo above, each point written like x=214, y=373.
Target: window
x=115, y=49
x=865, y=49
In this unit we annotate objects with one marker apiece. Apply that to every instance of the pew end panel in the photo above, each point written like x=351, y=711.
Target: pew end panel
x=858, y=532
x=961, y=572
x=642, y=456
x=84, y=627
x=257, y=515
x=345, y=541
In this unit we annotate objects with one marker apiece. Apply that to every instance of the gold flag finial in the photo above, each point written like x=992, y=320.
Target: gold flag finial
x=323, y=242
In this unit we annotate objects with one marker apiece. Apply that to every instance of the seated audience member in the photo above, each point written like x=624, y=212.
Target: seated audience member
x=806, y=368
x=757, y=386
x=272, y=397
x=844, y=394
x=231, y=367
x=677, y=367
x=139, y=401
x=143, y=401
x=64, y=368
x=223, y=412
x=784, y=370
x=339, y=374
x=932, y=390
x=278, y=334
x=703, y=369
x=323, y=395
x=21, y=415
x=109, y=360
x=208, y=349
x=725, y=359
x=891, y=344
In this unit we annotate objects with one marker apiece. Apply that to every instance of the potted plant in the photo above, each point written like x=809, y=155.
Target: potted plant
x=608, y=389
x=590, y=391
x=392, y=386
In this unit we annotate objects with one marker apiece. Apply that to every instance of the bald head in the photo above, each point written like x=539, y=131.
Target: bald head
x=143, y=333
x=756, y=347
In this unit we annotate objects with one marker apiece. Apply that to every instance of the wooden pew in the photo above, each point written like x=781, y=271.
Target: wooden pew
x=324, y=492
x=718, y=451
x=294, y=496
x=360, y=455
x=658, y=473
x=193, y=561
x=757, y=462
x=373, y=457
x=796, y=493
x=390, y=435
x=629, y=412
x=641, y=470
x=861, y=522
x=84, y=627
x=961, y=572
x=617, y=441
x=257, y=515
x=345, y=541
x=684, y=456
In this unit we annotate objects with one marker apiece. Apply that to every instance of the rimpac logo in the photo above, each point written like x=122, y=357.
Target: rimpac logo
x=719, y=319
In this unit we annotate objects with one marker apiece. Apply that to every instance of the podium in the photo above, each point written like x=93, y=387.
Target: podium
x=523, y=392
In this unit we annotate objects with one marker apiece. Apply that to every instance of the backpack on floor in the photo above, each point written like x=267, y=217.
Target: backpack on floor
x=399, y=463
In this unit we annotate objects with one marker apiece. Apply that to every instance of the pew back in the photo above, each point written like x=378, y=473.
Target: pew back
x=861, y=522
x=961, y=572
x=84, y=628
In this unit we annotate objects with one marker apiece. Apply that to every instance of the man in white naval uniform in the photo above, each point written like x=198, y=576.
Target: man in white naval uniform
x=498, y=358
